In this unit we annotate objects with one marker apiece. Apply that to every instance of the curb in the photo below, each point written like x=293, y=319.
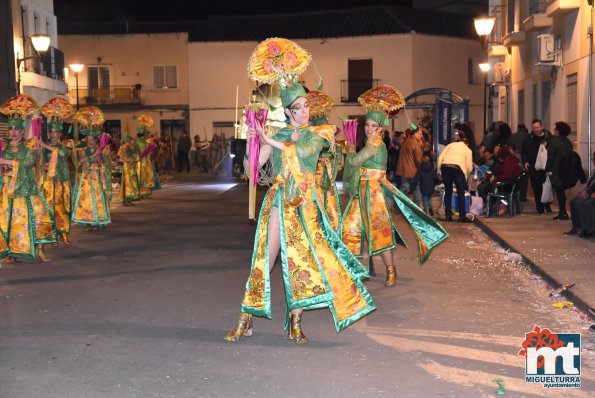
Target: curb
x=536, y=269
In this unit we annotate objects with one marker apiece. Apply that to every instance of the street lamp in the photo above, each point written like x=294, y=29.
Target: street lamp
x=485, y=68
x=41, y=43
x=76, y=68
x=483, y=27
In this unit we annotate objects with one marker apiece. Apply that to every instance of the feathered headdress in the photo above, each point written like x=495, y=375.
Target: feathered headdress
x=280, y=61
x=18, y=108
x=57, y=110
x=380, y=101
x=91, y=118
x=320, y=107
x=145, y=122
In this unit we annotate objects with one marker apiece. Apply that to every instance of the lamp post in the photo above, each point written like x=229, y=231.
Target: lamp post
x=41, y=44
x=76, y=68
x=485, y=68
x=483, y=27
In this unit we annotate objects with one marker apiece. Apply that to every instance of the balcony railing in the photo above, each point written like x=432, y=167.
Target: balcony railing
x=353, y=88
x=537, y=6
x=537, y=18
x=111, y=95
x=49, y=63
x=560, y=7
x=499, y=30
x=510, y=9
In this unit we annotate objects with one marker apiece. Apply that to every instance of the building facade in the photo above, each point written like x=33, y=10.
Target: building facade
x=126, y=75
x=348, y=66
x=199, y=81
x=539, y=52
x=38, y=74
x=410, y=49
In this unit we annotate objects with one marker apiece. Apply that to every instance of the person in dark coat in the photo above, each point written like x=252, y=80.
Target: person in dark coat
x=559, y=147
x=184, y=145
x=582, y=209
x=538, y=136
x=427, y=177
x=510, y=168
x=504, y=133
x=516, y=142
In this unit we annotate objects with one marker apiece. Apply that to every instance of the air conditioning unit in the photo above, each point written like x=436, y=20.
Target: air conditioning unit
x=500, y=72
x=546, y=51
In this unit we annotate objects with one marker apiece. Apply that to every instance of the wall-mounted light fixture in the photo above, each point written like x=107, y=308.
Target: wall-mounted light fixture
x=41, y=43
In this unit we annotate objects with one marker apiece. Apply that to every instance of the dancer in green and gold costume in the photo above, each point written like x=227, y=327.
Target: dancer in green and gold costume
x=147, y=175
x=129, y=189
x=367, y=218
x=318, y=270
x=330, y=161
x=25, y=217
x=90, y=206
x=54, y=181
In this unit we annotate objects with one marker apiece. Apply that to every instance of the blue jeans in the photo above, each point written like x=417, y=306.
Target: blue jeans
x=411, y=184
x=427, y=201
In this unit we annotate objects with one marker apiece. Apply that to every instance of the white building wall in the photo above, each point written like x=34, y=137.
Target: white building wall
x=407, y=62
x=130, y=59
x=569, y=32
x=41, y=88
x=443, y=62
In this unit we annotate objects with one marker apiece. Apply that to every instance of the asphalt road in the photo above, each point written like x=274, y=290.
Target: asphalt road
x=140, y=310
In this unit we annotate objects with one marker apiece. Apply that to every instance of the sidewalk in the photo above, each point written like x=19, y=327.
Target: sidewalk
x=559, y=259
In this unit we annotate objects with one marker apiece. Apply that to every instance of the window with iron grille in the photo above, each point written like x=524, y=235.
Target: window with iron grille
x=537, y=6
x=503, y=107
x=36, y=23
x=571, y=100
x=472, y=71
x=360, y=78
x=510, y=19
x=521, y=107
x=546, y=90
x=25, y=20
x=99, y=77
x=534, y=102
x=165, y=76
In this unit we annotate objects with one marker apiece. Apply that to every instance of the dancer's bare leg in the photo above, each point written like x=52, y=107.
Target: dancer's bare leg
x=274, y=237
x=388, y=257
x=244, y=324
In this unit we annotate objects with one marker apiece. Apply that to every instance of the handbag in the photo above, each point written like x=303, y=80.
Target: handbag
x=541, y=160
x=546, y=194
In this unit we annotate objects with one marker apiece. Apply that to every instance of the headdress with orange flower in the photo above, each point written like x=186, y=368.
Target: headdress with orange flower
x=57, y=110
x=281, y=61
x=91, y=118
x=380, y=101
x=321, y=105
x=145, y=122
x=18, y=108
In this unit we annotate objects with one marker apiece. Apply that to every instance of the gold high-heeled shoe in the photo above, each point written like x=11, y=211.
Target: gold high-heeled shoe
x=65, y=239
x=242, y=328
x=391, y=276
x=295, y=330
x=41, y=254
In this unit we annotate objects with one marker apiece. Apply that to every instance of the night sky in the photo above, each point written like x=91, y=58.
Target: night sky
x=188, y=10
